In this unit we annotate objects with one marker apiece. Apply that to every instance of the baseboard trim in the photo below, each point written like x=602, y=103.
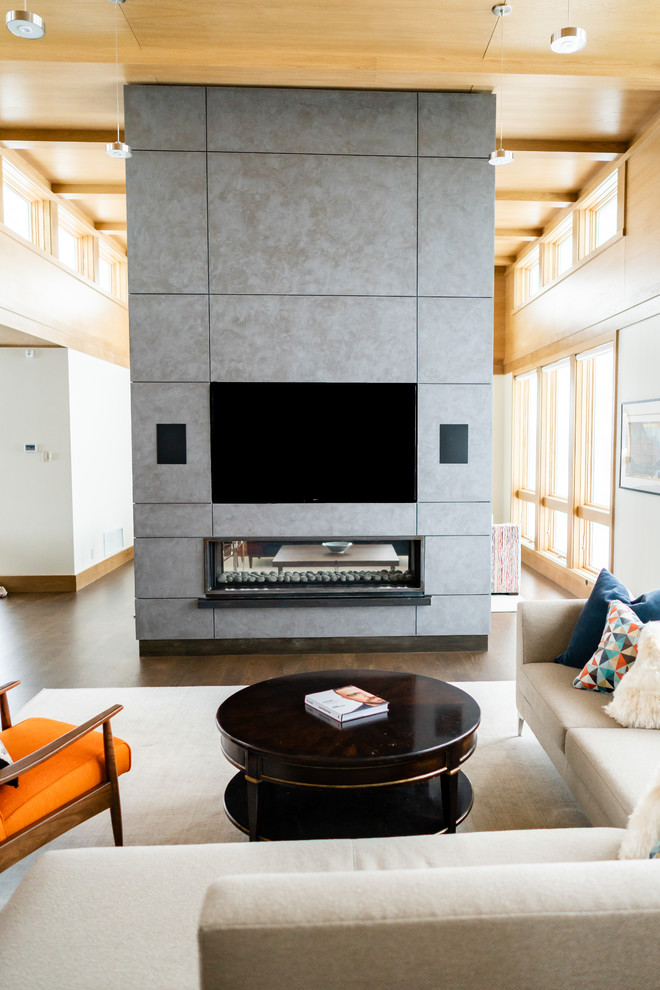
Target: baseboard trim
x=53, y=583
x=103, y=567
x=354, y=644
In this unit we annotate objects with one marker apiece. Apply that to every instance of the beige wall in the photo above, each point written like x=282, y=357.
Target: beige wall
x=40, y=296
x=615, y=287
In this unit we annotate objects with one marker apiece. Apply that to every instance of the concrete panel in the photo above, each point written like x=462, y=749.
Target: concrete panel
x=312, y=121
x=167, y=225
x=457, y=565
x=169, y=568
x=455, y=615
x=455, y=340
x=353, y=232
x=173, y=520
x=454, y=518
x=172, y=618
x=271, y=623
x=159, y=326
x=315, y=519
x=313, y=338
x=470, y=404
x=456, y=125
x=456, y=227
x=165, y=118
x=167, y=403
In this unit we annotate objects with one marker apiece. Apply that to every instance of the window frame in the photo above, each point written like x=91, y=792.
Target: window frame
x=579, y=509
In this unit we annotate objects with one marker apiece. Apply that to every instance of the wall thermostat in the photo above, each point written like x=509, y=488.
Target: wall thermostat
x=30, y=448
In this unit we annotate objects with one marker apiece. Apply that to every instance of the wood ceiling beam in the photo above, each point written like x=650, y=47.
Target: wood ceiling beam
x=520, y=233
x=110, y=226
x=559, y=198
x=73, y=190
x=25, y=137
x=504, y=262
x=602, y=151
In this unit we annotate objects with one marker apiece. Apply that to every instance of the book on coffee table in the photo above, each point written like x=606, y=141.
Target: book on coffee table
x=346, y=703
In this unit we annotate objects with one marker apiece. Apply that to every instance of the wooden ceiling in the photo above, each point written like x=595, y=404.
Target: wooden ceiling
x=562, y=115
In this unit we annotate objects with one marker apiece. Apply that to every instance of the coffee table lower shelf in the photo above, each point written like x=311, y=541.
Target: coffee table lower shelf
x=346, y=813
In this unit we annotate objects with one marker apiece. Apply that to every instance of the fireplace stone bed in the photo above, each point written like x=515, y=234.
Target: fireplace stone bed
x=313, y=571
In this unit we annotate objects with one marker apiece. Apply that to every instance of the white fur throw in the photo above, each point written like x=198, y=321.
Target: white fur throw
x=643, y=831
x=636, y=700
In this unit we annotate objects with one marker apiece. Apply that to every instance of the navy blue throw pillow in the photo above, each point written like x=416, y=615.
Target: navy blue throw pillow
x=591, y=622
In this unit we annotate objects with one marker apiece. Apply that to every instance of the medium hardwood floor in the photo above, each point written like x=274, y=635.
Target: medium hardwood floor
x=87, y=639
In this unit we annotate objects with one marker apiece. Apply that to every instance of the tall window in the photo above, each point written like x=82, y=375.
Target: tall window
x=563, y=459
x=594, y=431
x=525, y=448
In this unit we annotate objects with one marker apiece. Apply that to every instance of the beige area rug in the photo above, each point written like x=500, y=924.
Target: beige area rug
x=173, y=793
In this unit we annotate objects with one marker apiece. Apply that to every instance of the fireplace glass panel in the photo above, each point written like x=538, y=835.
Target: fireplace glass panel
x=316, y=566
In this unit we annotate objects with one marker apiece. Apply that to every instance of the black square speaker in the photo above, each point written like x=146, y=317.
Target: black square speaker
x=453, y=443
x=171, y=443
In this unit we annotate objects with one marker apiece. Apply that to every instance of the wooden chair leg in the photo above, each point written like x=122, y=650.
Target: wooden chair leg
x=111, y=775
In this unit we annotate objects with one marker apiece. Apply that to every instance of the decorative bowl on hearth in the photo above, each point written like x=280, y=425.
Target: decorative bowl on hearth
x=336, y=546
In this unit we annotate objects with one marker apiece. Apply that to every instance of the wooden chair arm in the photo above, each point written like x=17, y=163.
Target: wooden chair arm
x=5, y=717
x=57, y=745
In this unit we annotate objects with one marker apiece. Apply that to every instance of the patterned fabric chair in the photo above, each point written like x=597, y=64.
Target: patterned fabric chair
x=66, y=774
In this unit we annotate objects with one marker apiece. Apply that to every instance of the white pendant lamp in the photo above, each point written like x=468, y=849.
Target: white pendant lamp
x=24, y=24
x=567, y=40
x=117, y=149
x=501, y=156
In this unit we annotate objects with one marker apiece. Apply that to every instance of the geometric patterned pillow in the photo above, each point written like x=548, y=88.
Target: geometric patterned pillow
x=616, y=652
x=6, y=761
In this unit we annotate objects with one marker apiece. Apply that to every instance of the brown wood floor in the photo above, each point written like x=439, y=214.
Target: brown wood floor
x=87, y=639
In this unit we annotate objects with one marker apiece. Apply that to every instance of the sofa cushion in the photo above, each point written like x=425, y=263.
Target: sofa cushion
x=616, y=651
x=556, y=706
x=589, y=626
x=613, y=767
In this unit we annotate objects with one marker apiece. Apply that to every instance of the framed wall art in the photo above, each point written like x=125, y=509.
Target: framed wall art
x=639, y=464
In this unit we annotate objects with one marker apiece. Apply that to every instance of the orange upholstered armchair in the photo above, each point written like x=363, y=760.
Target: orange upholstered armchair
x=66, y=774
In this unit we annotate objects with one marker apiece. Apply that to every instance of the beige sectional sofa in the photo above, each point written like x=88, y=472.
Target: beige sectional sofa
x=499, y=910
x=606, y=766
x=543, y=909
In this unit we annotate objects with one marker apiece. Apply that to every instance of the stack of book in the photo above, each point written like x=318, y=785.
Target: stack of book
x=346, y=703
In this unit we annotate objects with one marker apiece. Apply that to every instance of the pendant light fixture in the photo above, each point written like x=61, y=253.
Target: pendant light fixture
x=117, y=149
x=500, y=156
x=567, y=40
x=24, y=24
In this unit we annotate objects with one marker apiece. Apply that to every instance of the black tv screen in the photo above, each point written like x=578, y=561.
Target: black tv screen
x=313, y=442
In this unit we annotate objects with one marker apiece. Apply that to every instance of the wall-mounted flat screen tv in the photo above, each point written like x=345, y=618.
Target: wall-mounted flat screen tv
x=313, y=442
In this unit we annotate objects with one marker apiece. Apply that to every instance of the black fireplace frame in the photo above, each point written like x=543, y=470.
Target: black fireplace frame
x=374, y=591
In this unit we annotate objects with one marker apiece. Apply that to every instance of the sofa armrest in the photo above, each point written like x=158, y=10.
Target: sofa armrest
x=501, y=927
x=544, y=628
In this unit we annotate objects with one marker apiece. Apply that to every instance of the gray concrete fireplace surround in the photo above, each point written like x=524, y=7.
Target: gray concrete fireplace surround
x=309, y=235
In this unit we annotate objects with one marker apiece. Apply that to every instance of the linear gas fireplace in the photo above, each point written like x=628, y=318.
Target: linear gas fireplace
x=313, y=571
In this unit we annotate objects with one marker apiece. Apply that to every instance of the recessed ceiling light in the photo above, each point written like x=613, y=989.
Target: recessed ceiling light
x=567, y=40
x=25, y=25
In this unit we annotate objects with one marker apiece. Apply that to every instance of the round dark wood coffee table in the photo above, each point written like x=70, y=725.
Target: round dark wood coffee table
x=304, y=775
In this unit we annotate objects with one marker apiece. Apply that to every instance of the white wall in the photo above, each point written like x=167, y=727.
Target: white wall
x=502, y=391
x=637, y=514
x=54, y=514
x=102, y=497
x=36, y=525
